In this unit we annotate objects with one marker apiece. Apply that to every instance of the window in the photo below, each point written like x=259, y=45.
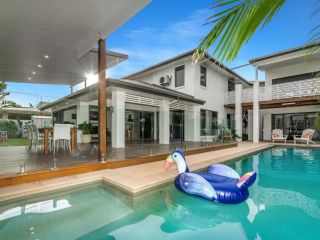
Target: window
x=179, y=76
x=230, y=121
x=295, y=78
x=231, y=86
x=16, y=116
x=208, y=123
x=203, y=76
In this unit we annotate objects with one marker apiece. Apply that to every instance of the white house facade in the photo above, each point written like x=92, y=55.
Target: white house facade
x=286, y=99
x=207, y=81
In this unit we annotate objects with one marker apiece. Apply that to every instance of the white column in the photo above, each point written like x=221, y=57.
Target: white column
x=118, y=119
x=82, y=115
x=238, y=110
x=5, y=115
x=164, y=118
x=267, y=120
x=256, y=120
x=192, y=124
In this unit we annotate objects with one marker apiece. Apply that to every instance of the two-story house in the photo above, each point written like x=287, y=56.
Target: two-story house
x=171, y=101
x=207, y=81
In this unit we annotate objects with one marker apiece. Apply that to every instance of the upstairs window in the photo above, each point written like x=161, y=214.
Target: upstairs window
x=179, y=76
x=203, y=76
x=231, y=86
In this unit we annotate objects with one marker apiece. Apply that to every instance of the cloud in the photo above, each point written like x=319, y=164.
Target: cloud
x=151, y=44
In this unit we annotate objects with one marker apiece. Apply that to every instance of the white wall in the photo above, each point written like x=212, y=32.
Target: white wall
x=213, y=94
x=291, y=70
x=4, y=115
x=82, y=115
x=67, y=116
x=188, y=88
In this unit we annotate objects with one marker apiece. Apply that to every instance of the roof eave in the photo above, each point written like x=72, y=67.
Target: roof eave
x=181, y=56
x=281, y=53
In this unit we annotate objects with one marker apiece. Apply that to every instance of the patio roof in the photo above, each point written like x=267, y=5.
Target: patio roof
x=283, y=58
x=90, y=93
x=22, y=110
x=53, y=42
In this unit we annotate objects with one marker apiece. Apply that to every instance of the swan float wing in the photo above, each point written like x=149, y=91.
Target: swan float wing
x=223, y=170
x=194, y=184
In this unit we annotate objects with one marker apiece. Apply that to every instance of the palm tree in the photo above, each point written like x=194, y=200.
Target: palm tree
x=235, y=23
x=3, y=95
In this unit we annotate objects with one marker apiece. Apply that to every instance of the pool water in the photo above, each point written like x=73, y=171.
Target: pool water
x=284, y=203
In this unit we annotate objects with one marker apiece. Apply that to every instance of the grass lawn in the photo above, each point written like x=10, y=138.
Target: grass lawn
x=14, y=142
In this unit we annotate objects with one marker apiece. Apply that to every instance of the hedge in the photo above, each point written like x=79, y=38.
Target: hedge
x=11, y=127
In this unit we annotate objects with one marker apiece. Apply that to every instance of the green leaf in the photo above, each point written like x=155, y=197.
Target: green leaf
x=234, y=24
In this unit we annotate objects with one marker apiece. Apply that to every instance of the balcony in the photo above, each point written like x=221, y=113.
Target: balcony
x=297, y=89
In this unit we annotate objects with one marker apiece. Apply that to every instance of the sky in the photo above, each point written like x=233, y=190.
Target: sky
x=166, y=28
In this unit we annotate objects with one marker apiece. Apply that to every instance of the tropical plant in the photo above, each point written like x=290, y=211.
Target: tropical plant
x=235, y=22
x=3, y=95
x=20, y=124
x=317, y=122
x=85, y=127
x=11, y=127
x=3, y=92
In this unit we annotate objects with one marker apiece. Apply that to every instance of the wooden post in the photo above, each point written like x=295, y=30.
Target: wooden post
x=102, y=100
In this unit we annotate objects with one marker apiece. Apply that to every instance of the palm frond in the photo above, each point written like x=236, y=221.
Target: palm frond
x=314, y=38
x=234, y=24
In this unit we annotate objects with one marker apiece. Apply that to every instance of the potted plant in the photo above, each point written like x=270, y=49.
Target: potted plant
x=85, y=129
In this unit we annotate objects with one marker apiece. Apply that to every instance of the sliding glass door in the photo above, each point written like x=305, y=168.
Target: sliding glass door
x=293, y=123
x=139, y=125
x=177, y=125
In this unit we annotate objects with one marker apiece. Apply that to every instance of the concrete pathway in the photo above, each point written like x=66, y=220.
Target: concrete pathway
x=134, y=179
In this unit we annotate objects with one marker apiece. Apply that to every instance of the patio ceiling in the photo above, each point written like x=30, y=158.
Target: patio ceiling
x=64, y=30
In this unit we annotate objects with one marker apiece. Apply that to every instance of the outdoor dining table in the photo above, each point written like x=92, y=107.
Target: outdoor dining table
x=48, y=130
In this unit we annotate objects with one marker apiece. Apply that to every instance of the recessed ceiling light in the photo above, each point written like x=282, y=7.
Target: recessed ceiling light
x=33, y=73
x=46, y=56
x=39, y=66
x=29, y=78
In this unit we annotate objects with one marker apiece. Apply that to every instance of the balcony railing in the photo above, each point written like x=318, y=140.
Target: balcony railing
x=301, y=88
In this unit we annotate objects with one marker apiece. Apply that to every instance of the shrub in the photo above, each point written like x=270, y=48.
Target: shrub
x=11, y=127
x=85, y=127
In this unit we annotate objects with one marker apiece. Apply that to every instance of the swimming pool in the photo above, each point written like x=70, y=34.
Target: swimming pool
x=284, y=203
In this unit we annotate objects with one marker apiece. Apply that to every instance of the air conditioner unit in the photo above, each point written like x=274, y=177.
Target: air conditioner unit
x=165, y=80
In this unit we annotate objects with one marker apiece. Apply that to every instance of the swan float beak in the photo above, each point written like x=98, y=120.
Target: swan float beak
x=169, y=162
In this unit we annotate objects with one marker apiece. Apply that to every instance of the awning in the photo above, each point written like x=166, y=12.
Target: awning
x=46, y=41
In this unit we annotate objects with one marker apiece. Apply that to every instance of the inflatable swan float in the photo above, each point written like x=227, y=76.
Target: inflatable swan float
x=220, y=183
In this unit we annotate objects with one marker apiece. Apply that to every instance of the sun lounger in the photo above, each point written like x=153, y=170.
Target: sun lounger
x=306, y=137
x=277, y=135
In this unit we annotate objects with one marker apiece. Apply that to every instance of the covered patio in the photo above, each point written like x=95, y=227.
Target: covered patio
x=58, y=42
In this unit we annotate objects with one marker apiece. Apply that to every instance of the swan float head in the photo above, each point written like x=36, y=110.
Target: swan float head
x=177, y=157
